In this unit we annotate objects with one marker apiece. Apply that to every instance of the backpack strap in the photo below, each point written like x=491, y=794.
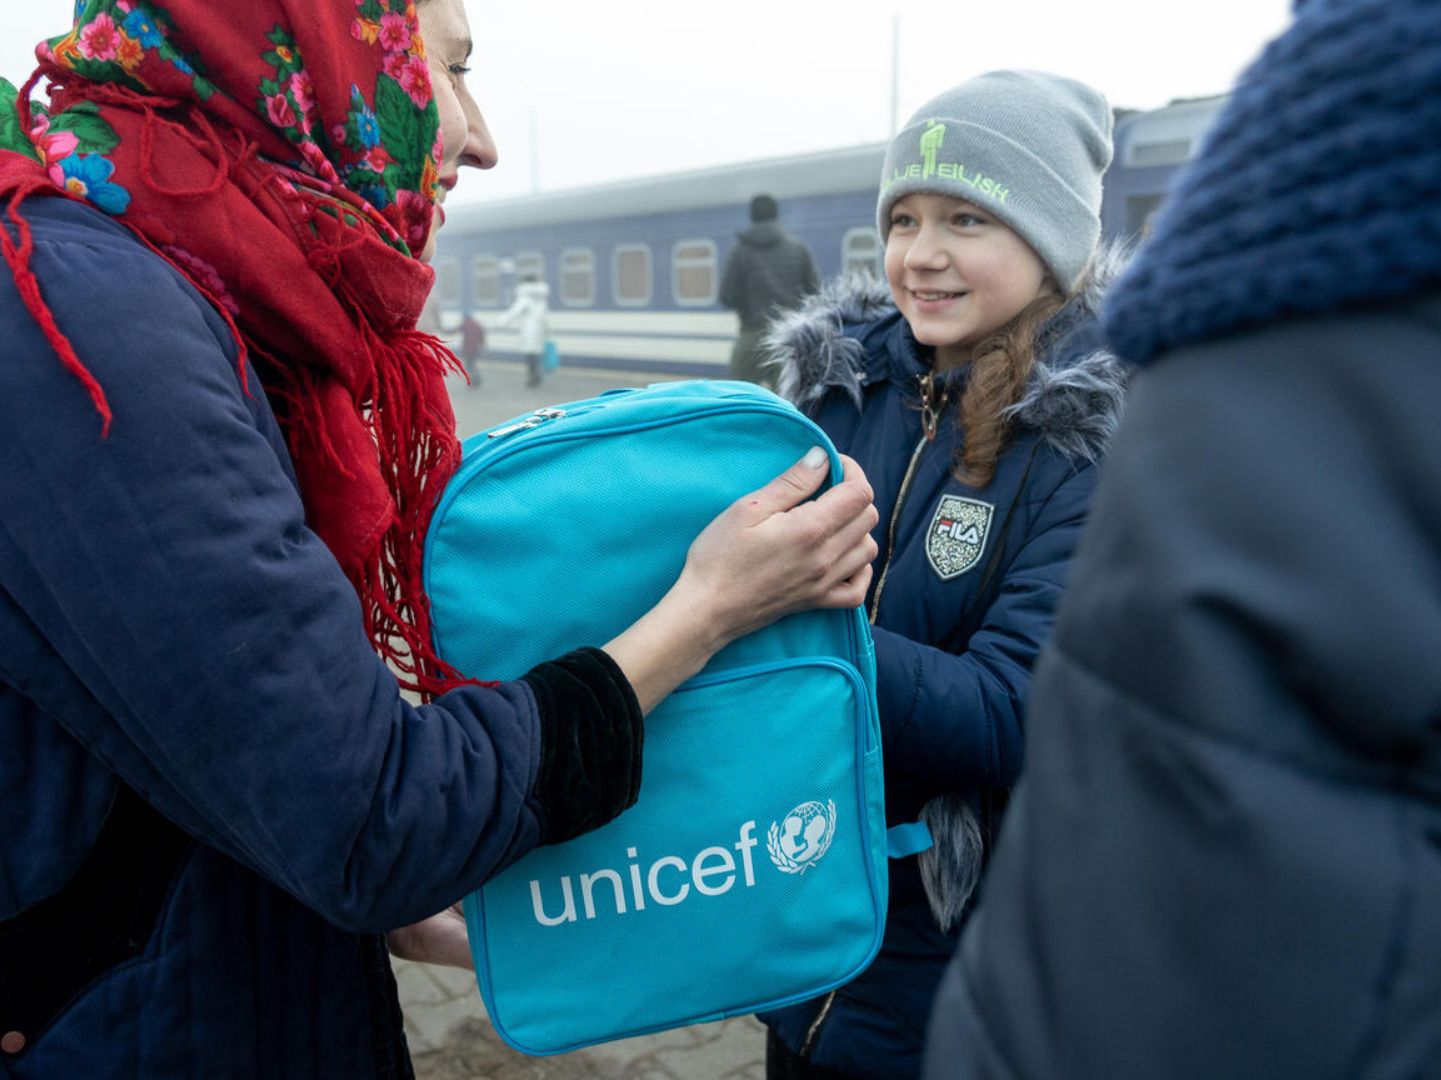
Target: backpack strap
x=911, y=838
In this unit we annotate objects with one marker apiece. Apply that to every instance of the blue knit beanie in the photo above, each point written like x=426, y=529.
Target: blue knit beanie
x=1318, y=187
x=1027, y=146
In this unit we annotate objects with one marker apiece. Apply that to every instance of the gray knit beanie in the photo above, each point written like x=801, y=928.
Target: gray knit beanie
x=1027, y=146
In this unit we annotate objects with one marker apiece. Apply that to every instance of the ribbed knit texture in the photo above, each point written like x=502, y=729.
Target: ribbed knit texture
x=1028, y=146
x=1318, y=189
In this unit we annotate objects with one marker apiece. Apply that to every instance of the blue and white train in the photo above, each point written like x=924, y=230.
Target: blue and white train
x=634, y=267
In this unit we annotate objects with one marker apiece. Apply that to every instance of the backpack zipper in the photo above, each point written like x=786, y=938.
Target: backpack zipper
x=537, y=418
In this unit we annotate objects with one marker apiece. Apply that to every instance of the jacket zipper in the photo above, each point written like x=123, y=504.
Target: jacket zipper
x=930, y=421
x=813, y=1032
x=895, y=520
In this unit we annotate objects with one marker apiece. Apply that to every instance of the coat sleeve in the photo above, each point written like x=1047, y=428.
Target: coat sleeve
x=163, y=600
x=954, y=721
x=732, y=279
x=811, y=275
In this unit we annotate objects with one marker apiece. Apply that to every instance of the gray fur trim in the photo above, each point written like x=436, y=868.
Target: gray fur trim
x=807, y=344
x=1072, y=401
x=951, y=866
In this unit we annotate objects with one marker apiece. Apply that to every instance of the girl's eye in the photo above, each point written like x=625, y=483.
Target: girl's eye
x=460, y=71
x=968, y=221
x=901, y=220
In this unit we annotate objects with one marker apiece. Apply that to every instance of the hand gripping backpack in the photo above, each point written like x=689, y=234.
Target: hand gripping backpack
x=752, y=871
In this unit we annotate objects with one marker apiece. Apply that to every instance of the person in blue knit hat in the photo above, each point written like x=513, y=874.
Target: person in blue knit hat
x=973, y=386
x=1224, y=859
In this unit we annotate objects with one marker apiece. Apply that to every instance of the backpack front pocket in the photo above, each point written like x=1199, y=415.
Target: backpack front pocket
x=744, y=877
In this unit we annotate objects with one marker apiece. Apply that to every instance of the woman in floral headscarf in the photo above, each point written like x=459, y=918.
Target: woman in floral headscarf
x=222, y=437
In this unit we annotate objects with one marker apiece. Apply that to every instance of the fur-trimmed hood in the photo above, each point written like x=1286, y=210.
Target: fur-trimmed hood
x=1076, y=388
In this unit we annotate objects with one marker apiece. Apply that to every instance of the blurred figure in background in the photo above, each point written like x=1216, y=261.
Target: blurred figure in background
x=472, y=344
x=530, y=311
x=1225, y=857
x=767, y=271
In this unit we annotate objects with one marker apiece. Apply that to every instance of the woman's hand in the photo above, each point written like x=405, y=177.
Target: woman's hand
x=440, y=939
x=769, y=554
x=772, y=553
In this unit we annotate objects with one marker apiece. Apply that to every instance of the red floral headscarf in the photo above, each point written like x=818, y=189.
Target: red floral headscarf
x=283, y=155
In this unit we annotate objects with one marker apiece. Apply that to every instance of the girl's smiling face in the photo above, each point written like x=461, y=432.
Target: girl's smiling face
x=957, y=273
x=464, y=138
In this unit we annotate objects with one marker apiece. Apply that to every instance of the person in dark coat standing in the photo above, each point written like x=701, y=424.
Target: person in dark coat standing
x=766, y=272
x=1225, y=857
x=973, y=386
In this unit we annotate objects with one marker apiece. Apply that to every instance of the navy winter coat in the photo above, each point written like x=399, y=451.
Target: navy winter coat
x=965, y=589
x=1225, y=857
x=215, y=798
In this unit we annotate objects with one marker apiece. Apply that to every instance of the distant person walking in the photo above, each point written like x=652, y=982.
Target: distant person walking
x=530, y=310
x=472, y=344
x=767, y=271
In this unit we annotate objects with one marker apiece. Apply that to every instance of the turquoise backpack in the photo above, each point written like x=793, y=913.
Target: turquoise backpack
x=751, y=873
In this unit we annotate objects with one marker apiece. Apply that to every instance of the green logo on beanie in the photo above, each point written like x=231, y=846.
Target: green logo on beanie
x=931, y=140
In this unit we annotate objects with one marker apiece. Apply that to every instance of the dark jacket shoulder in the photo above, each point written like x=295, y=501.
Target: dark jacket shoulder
x=1241, y=696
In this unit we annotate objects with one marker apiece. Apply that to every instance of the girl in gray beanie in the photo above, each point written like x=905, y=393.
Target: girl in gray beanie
x=973, y=389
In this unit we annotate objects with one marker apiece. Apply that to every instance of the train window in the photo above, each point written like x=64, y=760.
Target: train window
x=577, y=277
x=486, y=280
x=447, y=283
x=630, y=275
x=861, y=253
x=1169, y=152
x=529, y=264
x=693, y=265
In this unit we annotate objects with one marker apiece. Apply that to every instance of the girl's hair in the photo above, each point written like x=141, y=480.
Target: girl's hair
x=1000, y=370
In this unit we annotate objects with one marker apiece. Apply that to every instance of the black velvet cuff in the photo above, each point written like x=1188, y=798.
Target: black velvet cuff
x=591, y=736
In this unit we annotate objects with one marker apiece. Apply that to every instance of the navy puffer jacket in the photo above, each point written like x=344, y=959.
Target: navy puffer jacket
x=966, y=587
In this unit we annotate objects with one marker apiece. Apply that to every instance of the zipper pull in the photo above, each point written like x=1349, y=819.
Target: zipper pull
x=537, y=418
x=930, y=412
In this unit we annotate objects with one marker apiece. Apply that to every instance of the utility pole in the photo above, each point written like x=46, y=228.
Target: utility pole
x=534, y=153
x=895, y=73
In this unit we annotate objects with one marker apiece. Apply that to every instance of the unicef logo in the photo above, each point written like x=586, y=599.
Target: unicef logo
x=798, y=840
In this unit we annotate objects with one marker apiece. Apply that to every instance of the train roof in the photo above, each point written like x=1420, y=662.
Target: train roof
x=825, y=172
x=855, y=168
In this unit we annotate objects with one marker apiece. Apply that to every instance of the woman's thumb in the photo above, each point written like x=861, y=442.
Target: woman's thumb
x=792, y=487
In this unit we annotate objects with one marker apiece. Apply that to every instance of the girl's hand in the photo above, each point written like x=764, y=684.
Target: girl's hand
x=440, y=939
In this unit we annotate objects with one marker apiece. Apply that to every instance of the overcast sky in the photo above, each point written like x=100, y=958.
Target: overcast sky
x=613, y=90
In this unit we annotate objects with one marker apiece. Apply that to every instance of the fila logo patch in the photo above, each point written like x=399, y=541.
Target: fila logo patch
x=957, y=535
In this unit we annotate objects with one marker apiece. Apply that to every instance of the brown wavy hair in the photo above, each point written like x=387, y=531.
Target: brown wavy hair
x=1000, y=369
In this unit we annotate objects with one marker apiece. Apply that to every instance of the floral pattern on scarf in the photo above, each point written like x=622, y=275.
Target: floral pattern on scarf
x=385, y=148
x=284, y=156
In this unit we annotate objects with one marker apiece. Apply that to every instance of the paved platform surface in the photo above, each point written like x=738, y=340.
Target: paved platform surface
x=450, y=1037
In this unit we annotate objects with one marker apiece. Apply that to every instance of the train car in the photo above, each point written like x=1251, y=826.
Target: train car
x=634, y=268
x=1149, y=148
